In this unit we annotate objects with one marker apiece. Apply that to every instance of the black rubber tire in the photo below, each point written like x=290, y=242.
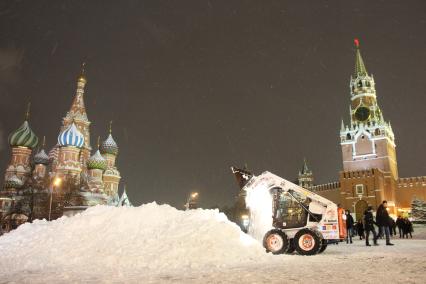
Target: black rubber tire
x=312, y=239
x=323, y=247
x=268, y=240
x=291, y=247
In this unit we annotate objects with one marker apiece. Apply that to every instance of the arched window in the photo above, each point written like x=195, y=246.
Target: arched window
x=348, y=136
x=359, y=83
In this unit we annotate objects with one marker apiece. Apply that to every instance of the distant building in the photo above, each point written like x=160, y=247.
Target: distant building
x=87, y=179
x=370, y=171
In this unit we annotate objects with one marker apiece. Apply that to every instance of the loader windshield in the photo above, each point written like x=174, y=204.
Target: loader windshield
x=288, y=211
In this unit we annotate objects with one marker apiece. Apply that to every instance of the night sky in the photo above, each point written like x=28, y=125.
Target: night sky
x=194, y=87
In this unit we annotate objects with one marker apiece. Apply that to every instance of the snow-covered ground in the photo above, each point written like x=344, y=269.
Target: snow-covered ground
x=159, y=244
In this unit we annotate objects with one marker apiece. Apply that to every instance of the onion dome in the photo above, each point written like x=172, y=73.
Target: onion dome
x=71, y=137
x=23, y=137
x=96, y=161
x=13, y=182
x=41, y=158
x=109, y=146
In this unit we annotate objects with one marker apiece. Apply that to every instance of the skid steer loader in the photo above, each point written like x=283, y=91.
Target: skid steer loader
x=301, y=220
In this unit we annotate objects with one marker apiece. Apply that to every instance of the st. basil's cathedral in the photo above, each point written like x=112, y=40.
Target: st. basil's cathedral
x=65, y=181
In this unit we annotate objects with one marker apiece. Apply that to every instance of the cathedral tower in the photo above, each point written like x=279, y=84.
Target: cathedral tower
x=23, y=141
x=368, y=141
x=96, y=165
x=71, y=142
x=111, y=177
x=77, y=115
x=41, y=160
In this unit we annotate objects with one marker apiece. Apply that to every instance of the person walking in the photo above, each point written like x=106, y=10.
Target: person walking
x=360, y=229
x=369, y=226
x=400, y=224
x=382, y=220
x=349, y=226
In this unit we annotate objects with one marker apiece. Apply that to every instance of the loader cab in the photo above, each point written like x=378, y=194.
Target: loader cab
x=291, y=210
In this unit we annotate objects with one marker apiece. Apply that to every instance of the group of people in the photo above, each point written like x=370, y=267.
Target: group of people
x=386, y=224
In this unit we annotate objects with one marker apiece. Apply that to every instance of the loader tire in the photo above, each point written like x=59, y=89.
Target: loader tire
x=307, y=242
x=291, y=247
x=323, y=247
x=276, y=241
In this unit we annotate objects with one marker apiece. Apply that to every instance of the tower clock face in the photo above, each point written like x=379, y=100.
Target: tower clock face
x=362, y=113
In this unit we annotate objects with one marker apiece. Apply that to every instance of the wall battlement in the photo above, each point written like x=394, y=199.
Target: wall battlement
x=358, y=174
x=412, y=182
x=326, y=186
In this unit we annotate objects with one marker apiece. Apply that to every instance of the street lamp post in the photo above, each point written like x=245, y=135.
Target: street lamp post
x=191, y=197
x=56, y=182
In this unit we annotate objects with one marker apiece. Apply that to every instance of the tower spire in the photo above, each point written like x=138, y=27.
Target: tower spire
x=27, y=113
x=110, y=126
x=359, y=62
x=305, y=168
x=82, y=78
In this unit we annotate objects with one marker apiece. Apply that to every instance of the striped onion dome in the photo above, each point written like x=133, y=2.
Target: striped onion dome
x=71, y=137
x=23, y=137
x=96, y=161
x=109, y=146
x=41, y=158
x=13, y=182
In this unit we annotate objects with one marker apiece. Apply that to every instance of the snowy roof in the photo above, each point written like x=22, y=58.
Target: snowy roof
x=41, y=158
x=124, y=200
x=96, y=161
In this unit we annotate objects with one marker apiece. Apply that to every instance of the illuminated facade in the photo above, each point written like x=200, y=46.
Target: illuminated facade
x=370, y=170
x=86, y=179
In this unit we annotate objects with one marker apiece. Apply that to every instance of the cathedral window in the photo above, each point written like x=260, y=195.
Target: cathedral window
x=367, y=84
x=359, y=84
x=348, y=136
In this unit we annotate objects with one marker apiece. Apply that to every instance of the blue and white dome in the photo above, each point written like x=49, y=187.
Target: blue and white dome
x=71, y=137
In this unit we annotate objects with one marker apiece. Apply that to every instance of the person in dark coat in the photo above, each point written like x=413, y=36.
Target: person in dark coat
x=369, y=226
x=360, y=229
x=407, y=228
x=382, y=220
x=400, y=224
x=349, y=226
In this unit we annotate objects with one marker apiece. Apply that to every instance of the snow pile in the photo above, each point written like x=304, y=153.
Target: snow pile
x=115, y=240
